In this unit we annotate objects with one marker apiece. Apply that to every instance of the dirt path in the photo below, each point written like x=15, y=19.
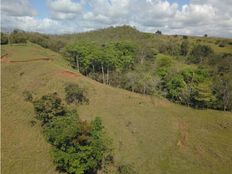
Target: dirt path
x=5, y=59
x=31, y=60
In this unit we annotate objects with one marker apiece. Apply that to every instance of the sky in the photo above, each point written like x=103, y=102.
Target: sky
x=186, y=17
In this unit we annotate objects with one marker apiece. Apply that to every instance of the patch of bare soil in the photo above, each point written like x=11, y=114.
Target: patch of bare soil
x=69, y=74
x=4, y=58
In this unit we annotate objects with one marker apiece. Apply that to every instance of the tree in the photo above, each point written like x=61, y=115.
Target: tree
x=200, y=54
x=163, y=64
x=176, y=86
x=171, y=48
x=48, y=107
x=75, y=94
x=61, y=130
x=158, y=32
x=131, y=80
x=203, y=94
x=223, y=90
x=18, y=36
x=222, y=81
x=93, y=58
x=184, y=48
x=4, y=38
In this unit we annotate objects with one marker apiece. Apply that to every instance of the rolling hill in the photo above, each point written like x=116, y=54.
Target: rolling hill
x=150, y=133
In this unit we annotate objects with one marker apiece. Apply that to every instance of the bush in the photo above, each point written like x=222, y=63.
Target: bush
x=200, y=54
x=70, y=153
x=75, y=94
x=163, y=64
x=222, y=44
x=184, y=47
x=18, y=36
x=169, y=48
x=48, y=107
x=61, y=130
x=158, y=32
x=27, y=96
x=176, y=85
x=4, y=38
x=78, y=147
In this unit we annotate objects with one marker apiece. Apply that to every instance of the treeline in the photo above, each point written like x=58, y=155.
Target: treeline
x=183, y=74
x=22, y=37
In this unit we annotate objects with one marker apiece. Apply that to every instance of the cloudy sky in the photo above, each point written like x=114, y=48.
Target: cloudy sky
x=195, y=17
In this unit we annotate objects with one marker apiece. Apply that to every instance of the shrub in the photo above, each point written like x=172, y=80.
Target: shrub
x=176, y=85
x=222, y=44
x=27, y=96
x=184, y=47
x=18, y=36
x=75, y=94
x=78, y=147
x=74, y=156
x=163, y=64
x=203, y=95
x=4, y=38
x=61, y=130
x=200, y=54
x=158, y=32
x=169, y=48
x=47, y=107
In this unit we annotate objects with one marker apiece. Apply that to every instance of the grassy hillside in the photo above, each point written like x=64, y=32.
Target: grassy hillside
x=150, y=40
x=152, y=134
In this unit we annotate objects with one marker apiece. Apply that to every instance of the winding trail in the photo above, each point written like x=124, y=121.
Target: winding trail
x=5, y=59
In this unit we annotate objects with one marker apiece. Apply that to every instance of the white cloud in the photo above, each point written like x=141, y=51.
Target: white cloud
x=17, y=8
x=29, y=23
x=197, y=17
x=64, y=9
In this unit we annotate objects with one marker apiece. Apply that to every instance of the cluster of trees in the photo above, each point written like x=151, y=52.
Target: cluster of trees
x=140, y=69
x=46, y=41
x=93, y=59
x=78, y=147
x=21, y=37
x=140, y=79
x=222, y=81
x=191, y=87
x=17, y=36
x=207, y=85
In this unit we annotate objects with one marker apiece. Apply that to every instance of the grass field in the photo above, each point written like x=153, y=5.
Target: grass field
x=152, y=134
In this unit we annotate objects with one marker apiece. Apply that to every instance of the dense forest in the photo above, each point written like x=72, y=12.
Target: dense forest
x=194, y=71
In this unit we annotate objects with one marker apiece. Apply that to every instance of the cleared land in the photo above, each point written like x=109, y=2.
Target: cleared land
x=150, y=133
